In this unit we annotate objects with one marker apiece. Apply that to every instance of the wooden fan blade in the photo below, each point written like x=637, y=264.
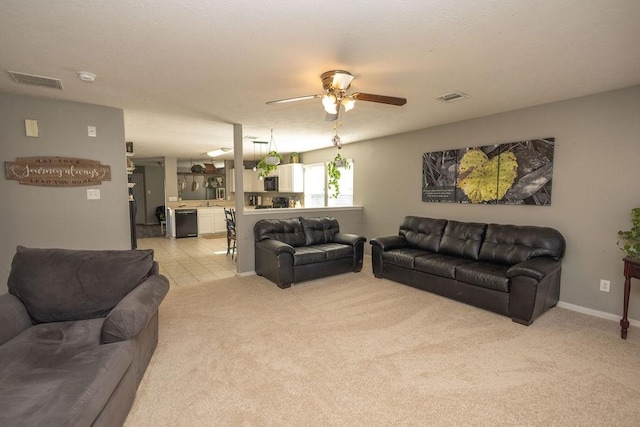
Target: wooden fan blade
x=298, y=98
x=392, y=100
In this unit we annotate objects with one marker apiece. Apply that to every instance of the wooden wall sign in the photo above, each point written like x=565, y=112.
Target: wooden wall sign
x=57, y=171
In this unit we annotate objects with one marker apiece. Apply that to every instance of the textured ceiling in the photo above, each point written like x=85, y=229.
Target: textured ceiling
x=184, y=71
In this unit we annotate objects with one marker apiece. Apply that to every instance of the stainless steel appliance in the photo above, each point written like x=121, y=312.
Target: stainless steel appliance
x=271, y=183
x=253, y=200
x=186, y=223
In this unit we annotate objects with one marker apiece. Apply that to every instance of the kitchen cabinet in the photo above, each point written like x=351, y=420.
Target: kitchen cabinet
x=205, y=221
x=291, y=178
x=211, y=220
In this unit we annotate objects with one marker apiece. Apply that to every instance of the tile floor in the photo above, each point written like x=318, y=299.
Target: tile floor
x=191, y=260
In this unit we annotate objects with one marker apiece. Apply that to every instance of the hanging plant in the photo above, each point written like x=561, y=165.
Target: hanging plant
x=629, y=241
x=270, y=162
x=333, y=172
x=267, y=164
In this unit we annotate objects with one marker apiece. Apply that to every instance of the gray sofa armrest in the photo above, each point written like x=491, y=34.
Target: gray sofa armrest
x=536, y=268
x=135, y=310
x=348, y=239
x=389, y=242
x=14, y=317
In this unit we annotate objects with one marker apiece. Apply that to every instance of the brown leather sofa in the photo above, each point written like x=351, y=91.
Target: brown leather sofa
x=294, y=250
x=508, y=269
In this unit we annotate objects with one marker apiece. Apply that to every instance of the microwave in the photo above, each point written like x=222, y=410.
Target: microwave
x=271, y=183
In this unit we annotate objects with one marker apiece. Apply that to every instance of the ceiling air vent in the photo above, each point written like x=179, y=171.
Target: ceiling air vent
x=31, y=79
x=452, y=96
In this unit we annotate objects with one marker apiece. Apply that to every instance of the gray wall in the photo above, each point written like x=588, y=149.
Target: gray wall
x=596, y=182
x=62, y=217
x=154, y=191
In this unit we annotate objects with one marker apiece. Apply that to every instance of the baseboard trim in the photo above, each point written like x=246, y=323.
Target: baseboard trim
x=595, y=313
x=246, y=273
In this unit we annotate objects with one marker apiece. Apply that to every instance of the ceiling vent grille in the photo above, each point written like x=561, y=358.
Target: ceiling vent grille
x=452, y=96
x=31, y=79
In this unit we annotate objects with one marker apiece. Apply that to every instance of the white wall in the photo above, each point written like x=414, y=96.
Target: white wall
x=62, y=216
x=596, y=182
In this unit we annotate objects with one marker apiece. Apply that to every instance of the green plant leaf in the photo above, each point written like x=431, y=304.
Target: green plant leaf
x=483, y=179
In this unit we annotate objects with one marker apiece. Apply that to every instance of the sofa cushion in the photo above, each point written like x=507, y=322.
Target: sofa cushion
x=319, y=230
x=484, y=274
x=423, y=233
x=404, y=257
x=462, y=239
x=511, y=244
x=61, y=284
x=308, y=255
x=335, y=250
x=58, y=374
x=288, y=231
x=440, y=265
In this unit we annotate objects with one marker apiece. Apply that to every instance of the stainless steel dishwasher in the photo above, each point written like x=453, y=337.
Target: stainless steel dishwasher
x=186, y=223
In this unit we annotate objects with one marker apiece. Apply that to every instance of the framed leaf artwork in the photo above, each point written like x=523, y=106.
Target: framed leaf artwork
x=515, y=173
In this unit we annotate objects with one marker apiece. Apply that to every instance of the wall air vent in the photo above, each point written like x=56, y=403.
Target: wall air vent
x=31, y=79
x=452, y=96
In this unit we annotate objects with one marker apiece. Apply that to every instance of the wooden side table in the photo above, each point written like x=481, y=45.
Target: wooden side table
x=631, y=269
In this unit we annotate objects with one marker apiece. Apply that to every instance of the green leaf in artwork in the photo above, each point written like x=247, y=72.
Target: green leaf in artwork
x=483, y=179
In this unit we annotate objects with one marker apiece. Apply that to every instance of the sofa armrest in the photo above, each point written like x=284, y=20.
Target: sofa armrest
x=276, y=246
x=348, y=239
x=389, y=242
x=135, y=310
x=14, y=317
x=536, y=268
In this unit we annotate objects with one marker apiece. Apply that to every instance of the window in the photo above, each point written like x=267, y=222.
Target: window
x=315, y=186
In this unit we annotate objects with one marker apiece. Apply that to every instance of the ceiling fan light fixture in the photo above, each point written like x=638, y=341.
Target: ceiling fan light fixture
x=348, y=103
x=329, y=104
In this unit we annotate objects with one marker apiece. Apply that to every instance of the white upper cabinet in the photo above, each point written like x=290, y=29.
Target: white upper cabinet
x=291, y=178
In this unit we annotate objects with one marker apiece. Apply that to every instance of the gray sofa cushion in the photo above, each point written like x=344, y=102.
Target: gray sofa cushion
x=59, y=285
x=511, y=244
x=57, y=374
x=288, y=231
x=462, y=239
x=423, y=233
x=319, y=230
x=133, y=313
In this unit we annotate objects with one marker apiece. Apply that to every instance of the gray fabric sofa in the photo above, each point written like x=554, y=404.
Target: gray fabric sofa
x=508, y=269
x=294, y=250
x=77, y=331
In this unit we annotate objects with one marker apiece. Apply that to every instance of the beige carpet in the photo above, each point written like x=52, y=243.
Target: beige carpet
x=353, y=350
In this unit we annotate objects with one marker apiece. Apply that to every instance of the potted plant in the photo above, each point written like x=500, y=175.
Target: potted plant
x=268, y=163
x=333, y=172
x=629, y=241
x=294, y=157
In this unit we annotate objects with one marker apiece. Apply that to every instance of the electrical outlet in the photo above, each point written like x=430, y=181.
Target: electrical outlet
x=92, y=131
x=605, y=285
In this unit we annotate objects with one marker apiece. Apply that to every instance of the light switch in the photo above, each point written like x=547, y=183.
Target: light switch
x=91, y=130
x=93, y=194
x=31, y=128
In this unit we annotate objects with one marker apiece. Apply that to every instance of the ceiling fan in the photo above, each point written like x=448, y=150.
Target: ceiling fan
x=336, y=83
